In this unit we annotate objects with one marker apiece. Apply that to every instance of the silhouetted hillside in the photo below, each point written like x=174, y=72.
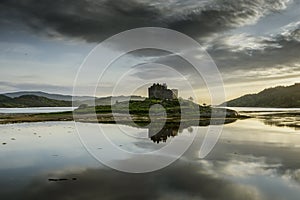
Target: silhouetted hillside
x=49, y=95
x=278, y=97
x=31, y=101
x=90, y=100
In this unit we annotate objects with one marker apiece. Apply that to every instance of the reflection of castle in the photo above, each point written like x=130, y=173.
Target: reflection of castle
x=159, y=91
x=162, y=135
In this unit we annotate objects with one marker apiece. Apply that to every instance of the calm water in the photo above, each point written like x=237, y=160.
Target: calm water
x=252, y=160
x=256, y=109
x=36, y=110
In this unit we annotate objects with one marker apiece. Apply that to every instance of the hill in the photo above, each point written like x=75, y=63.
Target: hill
x=48, y=95
x=78, y=99
x=277, y=97
x=31, y=101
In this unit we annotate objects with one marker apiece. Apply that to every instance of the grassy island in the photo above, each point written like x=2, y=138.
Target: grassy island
x=139, y=112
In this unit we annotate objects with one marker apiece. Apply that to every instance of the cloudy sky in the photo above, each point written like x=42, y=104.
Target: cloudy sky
x=254, y=43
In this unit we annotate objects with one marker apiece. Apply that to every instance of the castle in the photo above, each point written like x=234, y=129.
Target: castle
x=159, y=91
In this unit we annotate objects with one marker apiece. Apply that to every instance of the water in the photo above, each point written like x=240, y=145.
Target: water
x=254, y=111
x=257, y=109
x=36, y=110
x=252, y=160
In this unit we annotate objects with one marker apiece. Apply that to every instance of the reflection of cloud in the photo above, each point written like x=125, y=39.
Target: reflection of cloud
x=293, y=175
x=242, y=177
x=180, y=181
x=244, y=167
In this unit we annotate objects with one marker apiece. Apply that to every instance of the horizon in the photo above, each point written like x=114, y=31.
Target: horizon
x=64, y=94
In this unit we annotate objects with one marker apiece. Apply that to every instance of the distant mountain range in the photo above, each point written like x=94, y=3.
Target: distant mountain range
x=48, y=95
x=42, y=99
x=31, y=101
x=277, y=97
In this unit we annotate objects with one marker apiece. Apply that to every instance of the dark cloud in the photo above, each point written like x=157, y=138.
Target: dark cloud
x=264, y=57
x=225, y=14
x=89, y=20
x=176, y=62
x=249, y=52
x=213, y=23
x=96, y=20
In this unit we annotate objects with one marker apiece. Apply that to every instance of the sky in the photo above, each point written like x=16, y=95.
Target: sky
x=254, y=43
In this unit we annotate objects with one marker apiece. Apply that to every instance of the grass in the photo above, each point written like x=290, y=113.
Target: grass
x=173, y=111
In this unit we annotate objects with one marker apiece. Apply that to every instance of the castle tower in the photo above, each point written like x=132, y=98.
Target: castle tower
x=159, y=91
